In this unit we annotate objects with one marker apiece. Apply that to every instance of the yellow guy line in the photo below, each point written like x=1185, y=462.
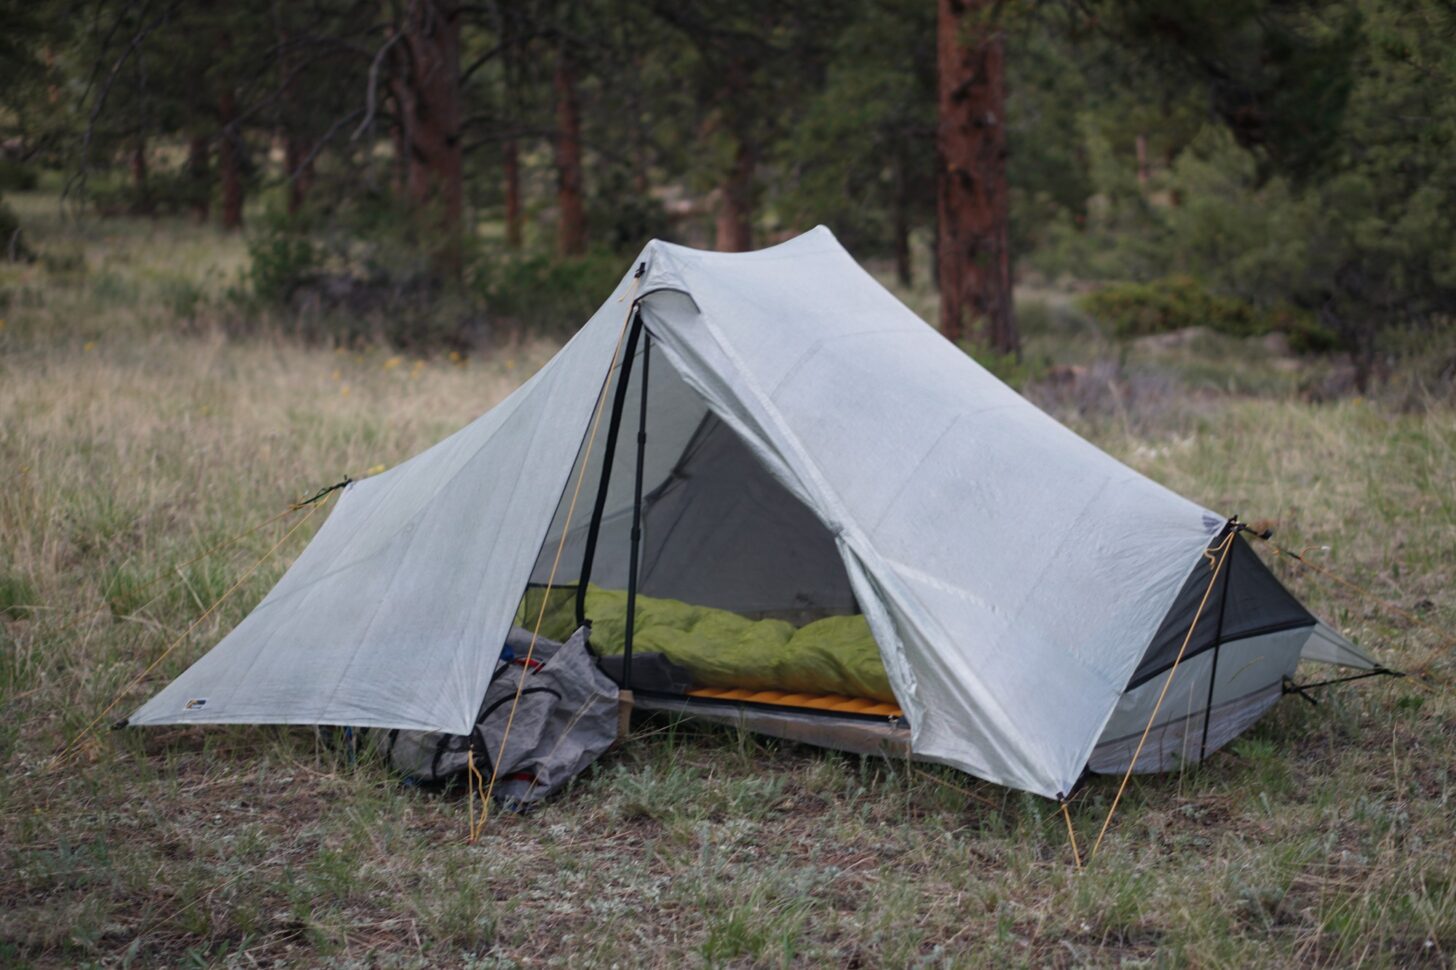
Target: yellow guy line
x=630, y=297
x=1443, y=639
x=1223, y=551
x=1072, y=836
x=176, y=571
x=75, y=744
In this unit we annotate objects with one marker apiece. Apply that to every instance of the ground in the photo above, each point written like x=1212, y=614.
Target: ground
x=136, y=436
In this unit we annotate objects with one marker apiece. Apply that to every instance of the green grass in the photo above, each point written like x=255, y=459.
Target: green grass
x=136, y=436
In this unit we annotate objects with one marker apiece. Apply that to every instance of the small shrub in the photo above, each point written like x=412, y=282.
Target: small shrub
x=165, y=192
x=1306, y=335
x=115, y=289
x=1171, y=303
x=17, y=597
x=280, y=262
x=16, y=176
x=12, y=239
x=65, y=263
x=183, y=297
x=1011, y=369
x=361, y=274
x=546, y=294
x=1179, y=302
x=111, y=197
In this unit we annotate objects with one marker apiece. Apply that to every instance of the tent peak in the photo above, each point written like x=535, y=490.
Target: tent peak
x=816, y=237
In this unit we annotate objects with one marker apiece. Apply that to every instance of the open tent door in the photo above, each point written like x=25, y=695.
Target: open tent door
x=716, y=529
x=740, y=592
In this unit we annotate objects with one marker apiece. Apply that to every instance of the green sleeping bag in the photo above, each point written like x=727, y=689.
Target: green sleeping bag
x=835, y=655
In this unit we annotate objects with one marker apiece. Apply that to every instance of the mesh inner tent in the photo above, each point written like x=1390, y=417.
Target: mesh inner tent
x=1246, y=600
x=718, y=530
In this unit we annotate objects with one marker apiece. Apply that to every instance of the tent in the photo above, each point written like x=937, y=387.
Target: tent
x=772, y=440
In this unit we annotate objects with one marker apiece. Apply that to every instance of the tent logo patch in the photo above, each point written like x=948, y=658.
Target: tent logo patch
x=195, y=704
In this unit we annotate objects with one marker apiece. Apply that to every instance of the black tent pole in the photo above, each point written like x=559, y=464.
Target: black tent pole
x=614, y=425
x=1228, y=577
x=636, y=520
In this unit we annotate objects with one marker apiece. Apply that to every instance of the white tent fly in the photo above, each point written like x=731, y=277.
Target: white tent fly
x=774, y=435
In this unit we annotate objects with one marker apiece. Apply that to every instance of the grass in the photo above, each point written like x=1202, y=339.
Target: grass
x=135, y=437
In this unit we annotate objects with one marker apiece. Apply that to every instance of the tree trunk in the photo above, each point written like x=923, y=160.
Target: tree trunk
x=427, y=94
x=199, y=179
x=571, y=230
x=399, y=177
x=300, y=171
x=141, y=203
x=297, y=166
x=229, y=164
x=935, y=261
x=901, y=228
x=642, y=134
x=735, y=204
x=511, y=165
x=973, y=207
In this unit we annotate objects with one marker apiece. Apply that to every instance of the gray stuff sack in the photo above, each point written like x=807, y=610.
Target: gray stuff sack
x=565, y=719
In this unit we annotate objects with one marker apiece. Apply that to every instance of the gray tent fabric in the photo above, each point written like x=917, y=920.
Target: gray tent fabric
x=565, y=718
x=1014, y=576
x=394, y=615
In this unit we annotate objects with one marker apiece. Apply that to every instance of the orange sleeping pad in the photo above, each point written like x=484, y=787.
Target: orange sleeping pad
x=819, y=702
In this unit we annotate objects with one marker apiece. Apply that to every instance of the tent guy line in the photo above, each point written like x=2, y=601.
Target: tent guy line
x=489, y=789
x=1217, y=567
x=74, y=746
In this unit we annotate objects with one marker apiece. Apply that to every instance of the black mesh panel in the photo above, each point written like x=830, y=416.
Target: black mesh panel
x=1246, y=600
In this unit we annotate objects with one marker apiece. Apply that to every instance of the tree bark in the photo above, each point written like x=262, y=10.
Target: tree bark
x=297, y=166
x=511, y=169
x=198, y=177
x=735, y=203
x=229, y=165
x=427, y=94
x=904, y=271
x=399, y=175
x=973, y=207
x=300, y=171
x=141, y=203
x=571, y=229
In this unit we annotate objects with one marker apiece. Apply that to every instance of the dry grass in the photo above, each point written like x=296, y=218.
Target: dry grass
x=134, y=437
